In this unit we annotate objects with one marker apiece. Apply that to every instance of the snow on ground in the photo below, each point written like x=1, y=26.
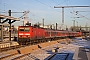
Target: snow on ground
x=44, y=53
x=82, y=43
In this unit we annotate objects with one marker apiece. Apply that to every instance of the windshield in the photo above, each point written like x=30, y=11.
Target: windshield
x=21, y=29
x=24, y=29
x=27, y=29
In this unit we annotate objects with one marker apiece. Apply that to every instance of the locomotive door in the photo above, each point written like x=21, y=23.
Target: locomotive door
x=35, y=35
x=50, y=34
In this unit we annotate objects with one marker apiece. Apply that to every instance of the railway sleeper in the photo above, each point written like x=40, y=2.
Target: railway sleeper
x=4, y=49
x=15, y=57
x=8, y=54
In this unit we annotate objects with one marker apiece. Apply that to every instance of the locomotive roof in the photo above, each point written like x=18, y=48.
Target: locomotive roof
x=49, y=29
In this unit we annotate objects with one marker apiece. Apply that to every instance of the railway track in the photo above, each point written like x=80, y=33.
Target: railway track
x=18, y=53
x=15, y=45
x=5, y=46
x=11, y=55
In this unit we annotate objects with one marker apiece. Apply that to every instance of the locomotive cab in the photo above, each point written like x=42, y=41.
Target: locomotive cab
x=24, y=34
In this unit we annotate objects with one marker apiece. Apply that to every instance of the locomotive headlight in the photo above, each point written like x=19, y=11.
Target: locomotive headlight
x=27, y=34
x=20, y=34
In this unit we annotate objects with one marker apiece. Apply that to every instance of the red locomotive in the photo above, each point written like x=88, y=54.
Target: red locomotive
x=30, y=34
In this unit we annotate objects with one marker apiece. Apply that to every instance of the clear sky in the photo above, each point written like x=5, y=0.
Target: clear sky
x=40, y=9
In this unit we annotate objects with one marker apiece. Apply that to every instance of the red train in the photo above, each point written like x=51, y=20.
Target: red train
x=30, y=34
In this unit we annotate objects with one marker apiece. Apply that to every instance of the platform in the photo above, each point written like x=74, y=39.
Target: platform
x=83, y=50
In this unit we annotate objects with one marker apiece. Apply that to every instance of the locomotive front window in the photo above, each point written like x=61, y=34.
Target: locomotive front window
x=27, y=29
x=21, y=29
x=24, y=29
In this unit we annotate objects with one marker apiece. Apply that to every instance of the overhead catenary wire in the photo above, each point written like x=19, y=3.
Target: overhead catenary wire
x=62, y=25
x=84, y=11
x=65, y=1
x=13, y=7
x=64, y=6
x=50, y=7
x=31, y=12
x=68, y=7
x=47, y=5
x=58, y=2
x=80, y=15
